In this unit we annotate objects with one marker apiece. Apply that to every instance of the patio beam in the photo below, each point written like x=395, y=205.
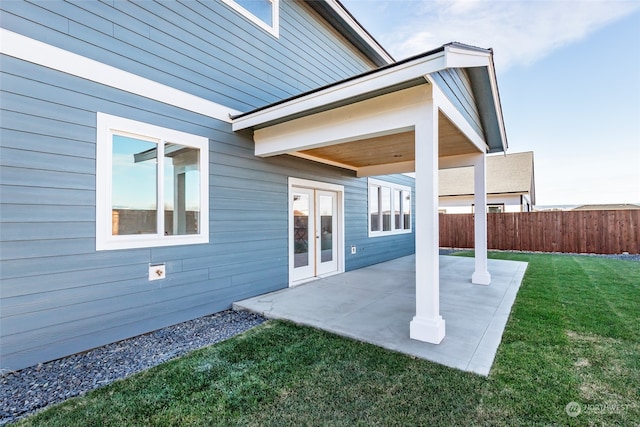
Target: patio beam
x=384, y=115
x=427, y=325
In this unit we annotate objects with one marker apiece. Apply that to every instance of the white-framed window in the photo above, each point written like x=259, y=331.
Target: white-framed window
x=491, y=208
x=141, y=201
x=264, y=13
x=389, y=208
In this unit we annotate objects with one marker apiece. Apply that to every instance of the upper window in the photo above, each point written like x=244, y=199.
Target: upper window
x=263, y=13
x=151, y=185
x=389, y=208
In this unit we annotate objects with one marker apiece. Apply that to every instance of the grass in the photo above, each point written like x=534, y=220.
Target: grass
x=573, y=336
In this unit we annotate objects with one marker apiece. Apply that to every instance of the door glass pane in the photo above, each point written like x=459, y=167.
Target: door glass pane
x=181, y=190
x=406, y=209
x=386, y=208
x=300, y=230
x=326, y=228
x=397, y=203
x=134, y=186
x=373, y=208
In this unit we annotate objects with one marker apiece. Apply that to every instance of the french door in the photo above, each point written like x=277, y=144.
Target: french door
x=315, y=220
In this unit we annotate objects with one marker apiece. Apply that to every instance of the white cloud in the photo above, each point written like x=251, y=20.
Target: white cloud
x=520, y=32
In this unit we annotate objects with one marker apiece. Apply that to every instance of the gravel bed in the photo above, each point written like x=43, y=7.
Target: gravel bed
x=28, y=390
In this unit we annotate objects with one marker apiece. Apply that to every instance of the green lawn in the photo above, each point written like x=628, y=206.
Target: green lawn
x=573, y=336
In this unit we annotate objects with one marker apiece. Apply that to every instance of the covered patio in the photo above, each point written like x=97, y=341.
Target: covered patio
x=375, y=304
x=437, y=110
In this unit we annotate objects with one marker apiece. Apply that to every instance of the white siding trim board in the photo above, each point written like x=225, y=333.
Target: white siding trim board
x=27, y=49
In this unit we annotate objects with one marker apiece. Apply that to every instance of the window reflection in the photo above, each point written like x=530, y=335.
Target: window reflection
x=262, y=9
x=301, y=230
x=326, y=228
x=386, y=208
x=134, y=186
x=397, y=203
x=406, y=209
x=374, y=207
x=181, y=190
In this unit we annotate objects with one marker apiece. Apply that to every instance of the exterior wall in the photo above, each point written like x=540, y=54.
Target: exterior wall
x=464, y=204
x=203, y=48
x=61, y=296
x=376, y=249
x=456, y=86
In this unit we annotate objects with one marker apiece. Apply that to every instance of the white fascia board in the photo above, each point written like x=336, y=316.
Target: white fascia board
x=46, y=55
x=496, y=99
x=452, y=113
x=368, y=83
x=357, y=28
x=384, y=115
x=450, y=57
x=459, y=57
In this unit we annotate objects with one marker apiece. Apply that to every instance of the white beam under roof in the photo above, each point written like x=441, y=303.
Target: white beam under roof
x=385, y=115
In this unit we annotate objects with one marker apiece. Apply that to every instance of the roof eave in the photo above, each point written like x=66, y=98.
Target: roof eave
x=498, y=107
x=356, y=87
x=411, y=71
x=341, y=19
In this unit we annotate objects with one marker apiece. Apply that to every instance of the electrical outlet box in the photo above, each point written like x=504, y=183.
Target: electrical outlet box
x=353, y=250
x=157, y=272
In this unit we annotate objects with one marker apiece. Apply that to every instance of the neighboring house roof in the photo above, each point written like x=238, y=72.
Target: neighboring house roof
x=511, y=173
x=349, y=27
x=608, y=207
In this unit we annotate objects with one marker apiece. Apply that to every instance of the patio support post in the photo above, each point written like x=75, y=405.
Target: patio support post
x=481, y=274
x=427, y=325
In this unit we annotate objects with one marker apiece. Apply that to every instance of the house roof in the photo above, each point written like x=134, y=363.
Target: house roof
x=607, y=207
x=391, y=78
x=344, y=22
x=511, y=173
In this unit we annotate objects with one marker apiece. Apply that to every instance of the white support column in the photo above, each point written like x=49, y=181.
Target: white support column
x=427, y=325
x=481, y=274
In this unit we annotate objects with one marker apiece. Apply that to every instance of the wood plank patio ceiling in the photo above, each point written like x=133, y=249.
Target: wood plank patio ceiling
x=393, y=148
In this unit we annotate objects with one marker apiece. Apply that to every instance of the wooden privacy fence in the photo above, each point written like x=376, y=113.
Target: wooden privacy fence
x=597, y=232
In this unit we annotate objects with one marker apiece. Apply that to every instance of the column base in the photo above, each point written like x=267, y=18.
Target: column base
x=427, y=330
x=481, y=278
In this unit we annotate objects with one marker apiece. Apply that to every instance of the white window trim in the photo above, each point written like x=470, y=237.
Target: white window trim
x=106, y=126
x=391, y=186
x=275, y=16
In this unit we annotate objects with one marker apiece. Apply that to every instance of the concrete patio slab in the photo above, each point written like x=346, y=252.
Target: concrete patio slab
x=375, y=304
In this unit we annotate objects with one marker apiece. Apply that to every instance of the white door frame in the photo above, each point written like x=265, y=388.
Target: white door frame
x=316, y=185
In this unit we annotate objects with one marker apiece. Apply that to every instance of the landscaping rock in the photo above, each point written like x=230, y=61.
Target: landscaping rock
x=34, y=388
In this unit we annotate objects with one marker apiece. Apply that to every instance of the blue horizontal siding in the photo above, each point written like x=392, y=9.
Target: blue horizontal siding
x=202, y=48
x=457, y=88
x=380, y=248
x=40, y=196
x=61, y=296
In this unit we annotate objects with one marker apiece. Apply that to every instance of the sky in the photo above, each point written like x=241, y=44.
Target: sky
x=568, y=73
